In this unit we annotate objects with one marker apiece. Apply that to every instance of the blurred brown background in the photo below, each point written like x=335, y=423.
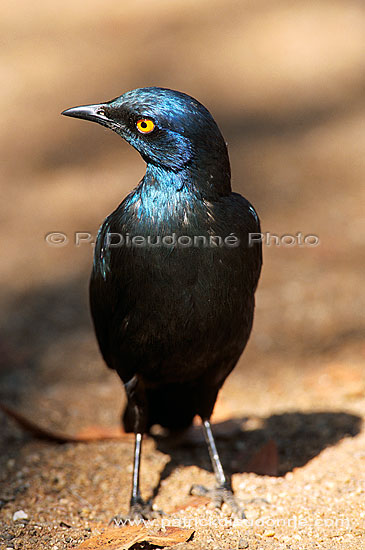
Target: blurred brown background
x=285, y=81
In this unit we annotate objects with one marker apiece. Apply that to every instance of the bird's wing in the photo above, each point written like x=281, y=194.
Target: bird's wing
x=108, y=289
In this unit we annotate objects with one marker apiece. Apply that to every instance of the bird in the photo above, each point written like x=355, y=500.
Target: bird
x=172, y=288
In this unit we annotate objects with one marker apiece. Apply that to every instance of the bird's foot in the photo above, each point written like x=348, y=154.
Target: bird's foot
x=139, y=511
x=219, y=495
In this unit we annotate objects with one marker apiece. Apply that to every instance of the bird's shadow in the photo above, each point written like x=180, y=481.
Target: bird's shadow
x=298, y=437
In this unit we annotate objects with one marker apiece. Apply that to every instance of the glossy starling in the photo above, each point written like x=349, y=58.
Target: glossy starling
x=174, y=274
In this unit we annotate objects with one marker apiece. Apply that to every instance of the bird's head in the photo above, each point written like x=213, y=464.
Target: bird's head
x=168, y=128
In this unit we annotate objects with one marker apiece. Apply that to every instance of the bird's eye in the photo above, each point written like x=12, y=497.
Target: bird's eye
x=145, y=126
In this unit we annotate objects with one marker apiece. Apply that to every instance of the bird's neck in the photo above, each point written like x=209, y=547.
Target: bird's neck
x=194, y=181
x=163, y=195
x=173, y=198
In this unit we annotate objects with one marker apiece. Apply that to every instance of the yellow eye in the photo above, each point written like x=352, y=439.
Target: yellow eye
x=145, y=126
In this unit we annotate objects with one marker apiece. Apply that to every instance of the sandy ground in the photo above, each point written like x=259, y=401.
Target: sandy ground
x=71, y=491
x=293, y=118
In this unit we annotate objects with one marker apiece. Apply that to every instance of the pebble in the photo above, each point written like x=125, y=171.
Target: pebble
x=20, y=514
x=243, y=543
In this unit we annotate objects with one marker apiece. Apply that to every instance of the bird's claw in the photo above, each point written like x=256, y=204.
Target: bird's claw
x=219, y=495
x=139, y=510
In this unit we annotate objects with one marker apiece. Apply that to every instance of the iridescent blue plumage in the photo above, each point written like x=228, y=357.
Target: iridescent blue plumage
x=173, y=320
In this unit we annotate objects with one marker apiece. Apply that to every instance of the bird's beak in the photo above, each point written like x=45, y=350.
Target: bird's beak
x=95, y=113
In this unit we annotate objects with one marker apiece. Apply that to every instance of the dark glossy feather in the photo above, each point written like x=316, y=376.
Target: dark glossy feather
x=174, y=318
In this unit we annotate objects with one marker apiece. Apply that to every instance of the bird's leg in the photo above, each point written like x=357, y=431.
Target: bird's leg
x=136, y=495
x=223, y=491
x=139, y=509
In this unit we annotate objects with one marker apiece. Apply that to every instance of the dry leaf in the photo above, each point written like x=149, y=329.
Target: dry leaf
x=92, y=433
x=225, y=429
x=122, y=538
x=97, y=433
